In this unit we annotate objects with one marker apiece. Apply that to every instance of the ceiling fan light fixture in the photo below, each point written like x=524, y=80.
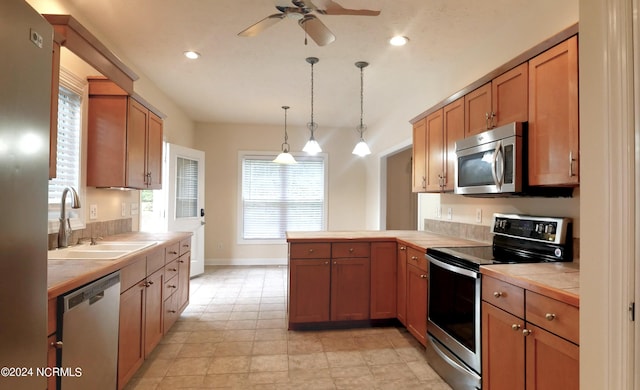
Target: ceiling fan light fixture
x=192, y=55
x=312, y=146
x=285, y=157
x=399, y=40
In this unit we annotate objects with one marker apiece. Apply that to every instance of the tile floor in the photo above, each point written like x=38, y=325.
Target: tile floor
x=234, y=335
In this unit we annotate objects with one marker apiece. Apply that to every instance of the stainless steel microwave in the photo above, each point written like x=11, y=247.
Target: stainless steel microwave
x=491, y=162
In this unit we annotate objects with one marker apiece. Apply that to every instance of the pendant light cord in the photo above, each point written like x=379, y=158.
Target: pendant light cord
x=361, y=99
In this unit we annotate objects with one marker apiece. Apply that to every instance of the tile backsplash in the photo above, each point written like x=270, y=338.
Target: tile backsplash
x=95, y=230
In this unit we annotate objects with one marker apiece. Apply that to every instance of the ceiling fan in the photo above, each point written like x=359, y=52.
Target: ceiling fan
x=312, y=26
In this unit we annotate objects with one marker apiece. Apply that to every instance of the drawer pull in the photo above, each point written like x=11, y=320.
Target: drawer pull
x=515, y=327
x=424, y=276
x=149, y=283
x=350, y=250
x=172, y=311
x=173, y=252
x=180, y=261
x=172, y=269
x=326, y=262
x=311, y=250
x=57, y=345
x=403, y=248
x=414, y=257
x=497, y=294
x=171, y=286
x=185, y=245
x=550, y=316
x=527, y=332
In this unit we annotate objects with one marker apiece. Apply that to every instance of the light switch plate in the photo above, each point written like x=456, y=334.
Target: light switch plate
x=93, y=211
x=123, y=211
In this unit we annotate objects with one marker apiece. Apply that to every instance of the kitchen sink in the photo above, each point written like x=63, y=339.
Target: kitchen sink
x=100, y=251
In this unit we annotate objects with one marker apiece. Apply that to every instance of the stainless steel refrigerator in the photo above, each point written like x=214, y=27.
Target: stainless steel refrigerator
x=25, y=93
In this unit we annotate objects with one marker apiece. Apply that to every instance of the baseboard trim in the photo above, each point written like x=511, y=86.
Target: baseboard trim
x=247, y=261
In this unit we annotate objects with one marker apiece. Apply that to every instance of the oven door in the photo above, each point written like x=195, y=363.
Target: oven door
x=490, y=168
x=454, y=310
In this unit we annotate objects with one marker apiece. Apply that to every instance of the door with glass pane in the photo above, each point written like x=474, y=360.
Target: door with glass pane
x=185, y=209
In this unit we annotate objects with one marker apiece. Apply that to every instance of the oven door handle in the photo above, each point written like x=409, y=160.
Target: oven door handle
x=453, y=268
x=498, y=162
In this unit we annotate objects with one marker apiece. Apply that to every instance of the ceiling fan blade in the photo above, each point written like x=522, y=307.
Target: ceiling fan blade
x=316, y=30
x=333, y=8
x=262, y=25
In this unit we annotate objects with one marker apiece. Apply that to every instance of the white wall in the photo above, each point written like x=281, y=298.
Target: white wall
x=222, y=142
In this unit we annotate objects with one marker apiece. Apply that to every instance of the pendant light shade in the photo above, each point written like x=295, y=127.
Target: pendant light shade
x=312, y=146
x=361, y=149
x=285, y=157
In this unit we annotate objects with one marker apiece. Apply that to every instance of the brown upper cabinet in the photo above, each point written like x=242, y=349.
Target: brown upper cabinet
x=553, y=116
x=124, y=143
x=501, y=101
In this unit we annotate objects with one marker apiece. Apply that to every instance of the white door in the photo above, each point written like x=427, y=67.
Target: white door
x=185, y=200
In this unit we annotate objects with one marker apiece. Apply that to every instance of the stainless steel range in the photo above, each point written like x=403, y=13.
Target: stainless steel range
x=453, y=323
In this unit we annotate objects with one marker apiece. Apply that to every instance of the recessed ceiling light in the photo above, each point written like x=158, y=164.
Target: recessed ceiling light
x=192, y=55
x=399, y=40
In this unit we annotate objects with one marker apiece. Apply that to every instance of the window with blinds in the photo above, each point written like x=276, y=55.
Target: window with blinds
x=186, y=188
x=68, y=162
x=277, y=198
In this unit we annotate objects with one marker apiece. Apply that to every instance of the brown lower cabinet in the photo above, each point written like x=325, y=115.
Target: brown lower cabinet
x=537, y=352
x=417, y=303
x=401, y=284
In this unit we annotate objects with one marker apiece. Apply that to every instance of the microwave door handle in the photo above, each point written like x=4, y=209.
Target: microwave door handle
x=494, y=165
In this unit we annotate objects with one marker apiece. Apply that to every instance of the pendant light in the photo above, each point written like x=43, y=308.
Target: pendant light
x=312, y=147
x=361, y=149
x=285, y=157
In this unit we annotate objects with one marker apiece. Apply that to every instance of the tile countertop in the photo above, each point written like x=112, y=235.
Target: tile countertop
x=560, y=281
x=66, y=275
x=418, y=239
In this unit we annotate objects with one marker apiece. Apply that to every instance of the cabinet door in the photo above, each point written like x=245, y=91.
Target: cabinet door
x=502, y=349
x=510, y=96
x=131, y=336
x=477, y=106
x=419, y=156
x=435, y=148
x=383, y=280
x=453, y=114
x=153, y=311
x=350, y=289
x=417, y=303
x=184, y=265
x=137, y=123
x=401, y=304
x=309, y=289
x=154, y=153
x=107, y=141
x=552, y=363
x=553, y=116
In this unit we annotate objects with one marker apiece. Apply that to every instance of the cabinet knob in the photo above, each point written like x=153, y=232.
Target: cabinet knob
x=180, y=261
x=526, y=332
x=149, y=283
x=56, y=345
x=403, y=248
x=171, y=311
x=335, y=262
x=497, y=294
x=515, y=327
x=326, y=262
x=571, y=160
x=424, y=276
x=172, y=269
x=550, y=316
x=350, y=250
x=171, y=286
x=310, y=250
x=414, y=257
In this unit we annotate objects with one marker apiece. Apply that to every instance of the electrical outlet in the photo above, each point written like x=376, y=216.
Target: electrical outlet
x=93, y=211
x=219, y=245
x=449, y=214
x=438, y=212
x=123, y=211
x=479, y=215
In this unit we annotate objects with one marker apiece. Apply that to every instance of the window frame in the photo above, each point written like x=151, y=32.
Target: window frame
x=270, y=156
x=78, y=217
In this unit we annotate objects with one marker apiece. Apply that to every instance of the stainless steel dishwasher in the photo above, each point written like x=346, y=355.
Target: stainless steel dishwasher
x=88, y=358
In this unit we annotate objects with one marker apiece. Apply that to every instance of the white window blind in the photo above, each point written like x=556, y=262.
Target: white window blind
x=277, y=198
x=186, y=188
x=69, y=130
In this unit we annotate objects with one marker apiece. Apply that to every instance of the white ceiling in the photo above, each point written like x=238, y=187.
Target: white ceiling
x=247, y=80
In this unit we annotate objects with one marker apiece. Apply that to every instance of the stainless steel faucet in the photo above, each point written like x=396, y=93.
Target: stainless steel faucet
x=65, y=225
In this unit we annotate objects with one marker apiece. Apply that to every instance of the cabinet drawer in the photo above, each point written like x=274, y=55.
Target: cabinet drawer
x=503, y=295
x=417, y=258
x=170, y=287
x=555, y=316
x=171, y=270
x=350, y=249
x=155, y=261
x=172, y=252
x=185, y=246
x=310, y=250
x=132, y=274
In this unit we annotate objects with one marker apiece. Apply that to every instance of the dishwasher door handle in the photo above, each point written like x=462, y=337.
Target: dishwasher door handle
x=96, y=298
